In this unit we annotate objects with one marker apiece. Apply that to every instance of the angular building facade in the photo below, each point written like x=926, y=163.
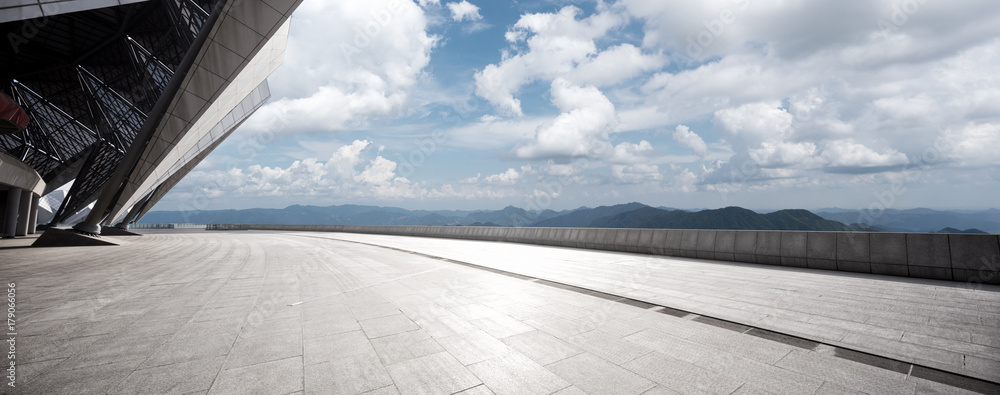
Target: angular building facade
x=124, y=98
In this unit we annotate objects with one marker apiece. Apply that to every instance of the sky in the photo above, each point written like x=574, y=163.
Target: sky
x=763, y=104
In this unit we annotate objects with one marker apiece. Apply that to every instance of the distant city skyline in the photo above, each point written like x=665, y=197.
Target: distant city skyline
x=439, y=104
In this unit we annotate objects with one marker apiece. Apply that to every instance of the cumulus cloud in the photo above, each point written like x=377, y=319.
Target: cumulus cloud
x=853, y=97
x=556, y=44
x=636, y=173
x=615, y=65
x=685, y=181
x=633, y=153
x=581, y=130
x=793, y=93
x=347, y=63
x=847, y=154
x=783, y=154
x=973, y=145
x=684, y=135
x=464, y=11
x=509, y=177
x=756, y=121
x=345, y=174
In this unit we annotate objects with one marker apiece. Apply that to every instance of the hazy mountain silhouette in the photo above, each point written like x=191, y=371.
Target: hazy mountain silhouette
x=584, y=216
x=724, y=218
x=919, y=219
x=630, y=215
x=969, y=231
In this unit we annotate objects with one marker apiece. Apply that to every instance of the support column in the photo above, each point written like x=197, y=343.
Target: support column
x=10, y=219
x=132, y=213
x=33, y=214
x=115, y=184
x=22, y=213
x=123, y=224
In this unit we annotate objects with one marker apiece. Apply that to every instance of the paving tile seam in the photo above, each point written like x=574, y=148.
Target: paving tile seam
x=216, y=292
x=93, y=285
x=139, y=365
x=949, y=377
x=917, y=331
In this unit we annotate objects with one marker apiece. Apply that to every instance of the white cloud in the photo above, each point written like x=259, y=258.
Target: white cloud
x=710, y=28
x=509, y=177
x=616, y=64
x=560, y=169
x=796, y=93
x=464, y=11
x=685, y=181
x=346, y=174
x=849, y=154
x=756, y=121
x=581, y=130
x=493, y=133
x=380, y=171
x=347, y=63
x=974, y=145
x=781, y=154
x=684, y=135
x=636, y=173
x=556, y=44
x=633, y=153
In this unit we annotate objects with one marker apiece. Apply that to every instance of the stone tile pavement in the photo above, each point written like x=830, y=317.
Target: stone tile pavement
x=945, y=325
x=291, y=313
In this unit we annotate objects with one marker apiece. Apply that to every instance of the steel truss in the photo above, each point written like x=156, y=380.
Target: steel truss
x=88, y=81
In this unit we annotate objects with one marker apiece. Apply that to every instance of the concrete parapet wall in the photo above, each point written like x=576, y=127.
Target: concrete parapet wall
x=974, y=259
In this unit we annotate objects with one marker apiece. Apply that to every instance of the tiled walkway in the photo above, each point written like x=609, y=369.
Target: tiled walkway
x=282, y=313
x=944, y=325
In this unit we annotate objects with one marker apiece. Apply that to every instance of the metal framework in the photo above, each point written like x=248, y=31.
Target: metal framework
x=88, y=81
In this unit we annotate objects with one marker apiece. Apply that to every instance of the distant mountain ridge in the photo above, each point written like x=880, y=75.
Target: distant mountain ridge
x=352, y=215
x=723, y=218
x=585, y=216
x=629, y=215
x=921, y=220
x=967, y=231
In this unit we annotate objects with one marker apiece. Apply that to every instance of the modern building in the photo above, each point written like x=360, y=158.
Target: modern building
x=123, y=98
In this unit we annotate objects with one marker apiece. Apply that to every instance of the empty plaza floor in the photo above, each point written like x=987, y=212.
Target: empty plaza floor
x=243, y=312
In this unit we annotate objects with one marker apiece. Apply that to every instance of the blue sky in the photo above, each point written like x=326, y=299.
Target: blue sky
x=480, y=104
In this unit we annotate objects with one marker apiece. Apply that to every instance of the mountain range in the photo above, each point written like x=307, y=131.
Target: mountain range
x=630, y=215
x=920, y=220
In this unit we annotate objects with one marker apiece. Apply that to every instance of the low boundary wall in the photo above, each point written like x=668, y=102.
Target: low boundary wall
x=955, y=257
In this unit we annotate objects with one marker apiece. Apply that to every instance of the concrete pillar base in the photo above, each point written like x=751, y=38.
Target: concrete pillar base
x=116, y=231
x=89, y=229
x=67, y=238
